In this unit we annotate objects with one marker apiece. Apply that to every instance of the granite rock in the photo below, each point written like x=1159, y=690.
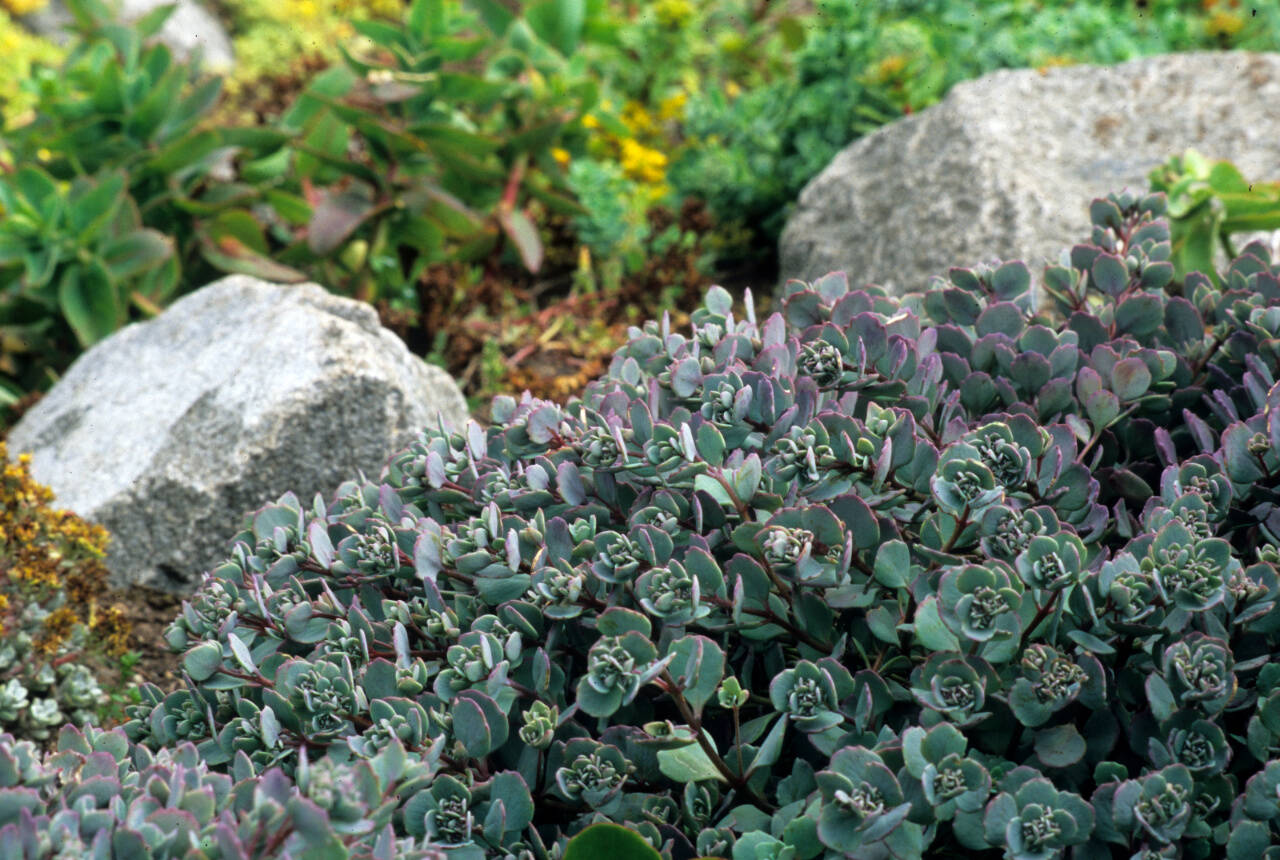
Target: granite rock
x=190, y=28
x=1004, y=166
x=169, y=431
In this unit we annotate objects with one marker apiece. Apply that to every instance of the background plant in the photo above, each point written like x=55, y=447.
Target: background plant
x=97, y=196
x=1209, y=203
x=22, y=50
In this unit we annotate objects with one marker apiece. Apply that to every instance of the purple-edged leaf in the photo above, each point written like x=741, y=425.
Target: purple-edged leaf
x=569, y=483
x=241, y=652
x=1130, y=378
x=1059, y=746
x=1110, y=275
x=686, y=377
x=335, y=218
x=321, y=546
x=203, y=660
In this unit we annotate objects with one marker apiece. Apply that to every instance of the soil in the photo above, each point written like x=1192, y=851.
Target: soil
x=150, y=611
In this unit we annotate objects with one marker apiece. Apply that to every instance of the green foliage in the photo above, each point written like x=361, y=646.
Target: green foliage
x=22, y=51
x=119, y=192
x=98, y=196
x=402, y=157
x=609, y=840
x=1209, y=202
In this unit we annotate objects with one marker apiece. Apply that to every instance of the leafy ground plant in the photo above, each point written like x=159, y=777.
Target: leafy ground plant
x=987, y=569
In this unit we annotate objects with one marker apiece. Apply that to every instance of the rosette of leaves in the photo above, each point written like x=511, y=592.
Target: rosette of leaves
x=727, y=629
x=979, y=603
x=942, y=776
x=1158, y=806
x=617, y=667
x=1030, y=818
x=862, y=806
x=1199, y=671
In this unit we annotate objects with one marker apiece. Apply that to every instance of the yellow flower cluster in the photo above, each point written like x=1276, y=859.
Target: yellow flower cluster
x=1223, y=24
x=20, y=50
x=637, y=153
x=889, y=68
x=52, y=557
x=642, y=163
x=673, y=14
x=22, y=7
x=672, y=107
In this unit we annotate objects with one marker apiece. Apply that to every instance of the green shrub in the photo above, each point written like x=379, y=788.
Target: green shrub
x=57, y=643
x=120, y=192
x=969, y=571
x=98, y=194
x=403, y=157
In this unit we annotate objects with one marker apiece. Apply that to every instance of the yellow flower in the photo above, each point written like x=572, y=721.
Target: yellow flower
x=672, y=107
x=589, y=121
x=1054, y=61
x=1223, y=24
x=890, y=67
x=638, y=119
x=560, y=155
x=673, y=13
x=732, y=89
x=642, y=163
x=22, y=7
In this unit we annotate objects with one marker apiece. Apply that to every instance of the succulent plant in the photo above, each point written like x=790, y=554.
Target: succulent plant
x=989, y=568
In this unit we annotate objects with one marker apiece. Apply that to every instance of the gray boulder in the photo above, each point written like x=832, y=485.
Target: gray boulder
x=169, y=431
x=190, y=28
x=1005, y=166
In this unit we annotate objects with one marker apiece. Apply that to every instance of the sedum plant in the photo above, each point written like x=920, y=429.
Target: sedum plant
x=56, y=640
x=989, y=569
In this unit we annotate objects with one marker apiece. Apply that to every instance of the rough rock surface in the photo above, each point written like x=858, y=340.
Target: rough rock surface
x=169, y=431
x=1004, y=166
x=191, y=27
